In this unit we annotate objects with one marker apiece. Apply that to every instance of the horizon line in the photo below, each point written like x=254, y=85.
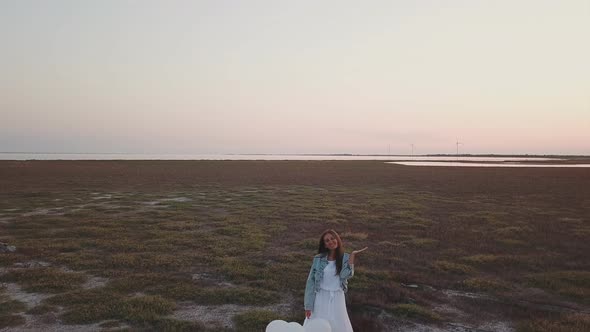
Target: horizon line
x=308, y=154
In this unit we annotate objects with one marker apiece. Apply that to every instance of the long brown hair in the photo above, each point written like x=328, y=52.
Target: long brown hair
x=339, y=251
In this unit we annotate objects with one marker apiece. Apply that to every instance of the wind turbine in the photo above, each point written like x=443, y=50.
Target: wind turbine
x=458, y=143
x=412, y=149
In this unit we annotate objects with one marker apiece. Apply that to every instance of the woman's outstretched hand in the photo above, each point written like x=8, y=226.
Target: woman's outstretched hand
x=353, y=255
x=359, y=251
x=307, y=314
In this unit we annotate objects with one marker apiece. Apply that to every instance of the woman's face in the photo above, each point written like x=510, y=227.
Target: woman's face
x=330, y=241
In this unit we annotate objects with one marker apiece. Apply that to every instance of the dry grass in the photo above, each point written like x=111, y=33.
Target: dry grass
x=450, y=267
x=484, y=285
x=567, y=323
x=45, y=280
x=358, y=236
x=245, y=233
x=256, y=320
x=415, y=311
x=9, y=310
x=568, y=283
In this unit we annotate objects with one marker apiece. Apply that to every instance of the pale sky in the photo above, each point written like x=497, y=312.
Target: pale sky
x=502, y=76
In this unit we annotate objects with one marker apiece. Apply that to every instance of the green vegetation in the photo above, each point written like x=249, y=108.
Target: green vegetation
x=9, y=310
x=573, y=284
x=414, y=311
x=95, y=306
x=173, y=325
x=422, y=242
x=244, y=233
x=234, y=295
x=566, y=323
x=484, y=285
x=446, y=266
x=11, y=320
x=42, y=309
x=45, y=280
x=10, y=306
x=255, y=320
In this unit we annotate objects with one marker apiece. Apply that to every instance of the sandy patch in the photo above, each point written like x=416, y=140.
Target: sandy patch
x=172, y=199
x=177, y=199
x=107, y=196
x=56, y=211
x=29, y=299
x=221, y=315
x=50, y=323
x=211, y=278
x=95, y=282
x=31, y=264
x=456, y=293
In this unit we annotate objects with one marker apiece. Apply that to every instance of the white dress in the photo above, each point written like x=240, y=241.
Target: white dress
x=330, y=303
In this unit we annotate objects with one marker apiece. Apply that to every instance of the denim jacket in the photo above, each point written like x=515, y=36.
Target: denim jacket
x=316, y=274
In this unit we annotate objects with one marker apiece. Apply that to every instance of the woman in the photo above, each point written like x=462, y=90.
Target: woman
x=328, y=281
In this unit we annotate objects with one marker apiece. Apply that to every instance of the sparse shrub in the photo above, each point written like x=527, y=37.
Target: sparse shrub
x=125, y=260
x=365, y=322
x=119, y=243
x=145, y=308
x=482, y=259
x=239, y=269
x=568, y=323
x=230, y=230
x=423, y=242
x=187, y=291
x=42, y=309
x=404, y=237
x=354, y=236
x=480, y=284
x=255, y=320
x=309, y=244
x=414, y=311
x=499, y=261
x=110, y=324
x=365, y=278
x=8, y=306
x=50, y=280
x=513, y=231
x=511, y=242
x=137, y=309
x=81, y=297
x=11, y=321
x=244, y=296
x=9, y=259
x=574, y=284
x=182, y=290
x=80, y=260
x=174, y=325
x=136, y=282
x=451, y=267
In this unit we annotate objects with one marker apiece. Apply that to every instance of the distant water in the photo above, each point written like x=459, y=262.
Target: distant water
x=106, y=156
x=460, y=164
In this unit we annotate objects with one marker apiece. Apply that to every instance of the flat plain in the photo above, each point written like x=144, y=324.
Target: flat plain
x=227, y=245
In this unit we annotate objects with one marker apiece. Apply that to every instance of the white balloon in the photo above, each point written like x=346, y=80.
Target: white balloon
x=294, y=327
x=277, y=326
x=317, y=325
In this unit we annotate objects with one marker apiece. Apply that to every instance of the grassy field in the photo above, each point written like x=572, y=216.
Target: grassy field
x=227, y=245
